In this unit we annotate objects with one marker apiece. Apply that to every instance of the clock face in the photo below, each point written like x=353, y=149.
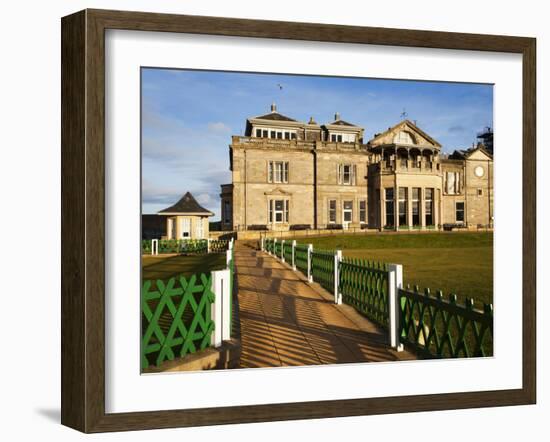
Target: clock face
x=479, y=171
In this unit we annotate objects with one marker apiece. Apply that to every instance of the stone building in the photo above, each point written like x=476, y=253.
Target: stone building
x=288, y=174
x=186, y=219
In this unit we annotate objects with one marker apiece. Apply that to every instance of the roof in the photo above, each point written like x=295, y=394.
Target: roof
x=463, y=154
x=187, y=204
x=274, y=116
x=411, y=125
x=342, y=123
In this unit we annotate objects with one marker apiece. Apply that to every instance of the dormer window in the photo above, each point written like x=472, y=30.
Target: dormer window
x=260, y=132
x=342, y=138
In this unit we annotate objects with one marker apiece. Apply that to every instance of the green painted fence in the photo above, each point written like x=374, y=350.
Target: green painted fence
x=287, y=251
x=145, y=246
x=433, y=326
x=364, y=286
x=300, y=258
x=176, y=318
x=322, y=268
x=277, y=248
x=440, y=328
x=183, y=246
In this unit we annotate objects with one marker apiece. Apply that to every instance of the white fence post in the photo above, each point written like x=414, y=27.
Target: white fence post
x=395, y=282
x=154, y=247
x=262, y=245
x=227, y=257
x=208, y=245
x=337, y=294
x=309, y=272
x=294, y=254
x=283, y=250
x=221, y=308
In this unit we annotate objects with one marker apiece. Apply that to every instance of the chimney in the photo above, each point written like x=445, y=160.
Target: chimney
x=336, y=116
x=273, y=107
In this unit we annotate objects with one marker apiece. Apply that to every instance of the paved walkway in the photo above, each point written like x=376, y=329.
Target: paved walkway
x=287, y=321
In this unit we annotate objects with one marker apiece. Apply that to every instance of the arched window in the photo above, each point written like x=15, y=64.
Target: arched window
x=404, y=137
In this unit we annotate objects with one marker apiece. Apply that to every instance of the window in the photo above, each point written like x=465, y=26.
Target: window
x=416, y=206
x=347, y=212
x=390, y=214
x=226, y=212
x=278, y=172
x=362, y=211
x=332, y=211
x=278, y=211
x=293, y=135
x=200, y=229
x=459, y=213
x=279, y=135
x=404, y=137
x=428, y=203
x=185, y=227
x=346, y=174
x=258, y=133
x=287, y=135
x=273, y=134
x=452, y=186
x=479, y=192
x=403, y=209
x=264, y=133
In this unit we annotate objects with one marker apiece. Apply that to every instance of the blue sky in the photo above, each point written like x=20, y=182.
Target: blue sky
x=188, y=118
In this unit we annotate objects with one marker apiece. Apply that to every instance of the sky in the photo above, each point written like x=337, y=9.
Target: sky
x=188, y=118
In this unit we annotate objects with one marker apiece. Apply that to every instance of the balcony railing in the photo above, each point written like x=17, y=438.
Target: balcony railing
x=296, y=144
x=404, y=165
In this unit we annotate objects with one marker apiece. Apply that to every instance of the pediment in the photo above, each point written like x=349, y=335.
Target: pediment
x=405, y=133
x=479, y=154
x=278, y=192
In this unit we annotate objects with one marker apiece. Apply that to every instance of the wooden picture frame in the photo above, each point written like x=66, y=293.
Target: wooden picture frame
x=83, y=219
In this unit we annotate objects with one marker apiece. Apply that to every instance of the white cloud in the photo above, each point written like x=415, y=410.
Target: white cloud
x=219, y=128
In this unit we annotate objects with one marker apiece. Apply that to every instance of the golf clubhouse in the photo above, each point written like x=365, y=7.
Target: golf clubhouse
x=291, y=175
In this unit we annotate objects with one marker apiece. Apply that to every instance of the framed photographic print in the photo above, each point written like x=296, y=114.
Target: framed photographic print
x=270, y=220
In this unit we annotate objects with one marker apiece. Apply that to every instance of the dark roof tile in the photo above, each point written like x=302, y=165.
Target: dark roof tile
x=187, y=204
x=274, y=116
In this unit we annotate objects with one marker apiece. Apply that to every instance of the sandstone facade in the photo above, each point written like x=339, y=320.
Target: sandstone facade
x=292, y=175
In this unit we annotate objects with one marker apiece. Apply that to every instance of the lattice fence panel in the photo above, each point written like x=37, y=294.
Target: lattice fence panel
x=322, y=268
x=176, y=318
x=440, y=328
x=364, y=285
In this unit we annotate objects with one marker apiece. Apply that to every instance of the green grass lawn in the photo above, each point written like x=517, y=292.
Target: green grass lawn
x=460, y=263
x=165, y=267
